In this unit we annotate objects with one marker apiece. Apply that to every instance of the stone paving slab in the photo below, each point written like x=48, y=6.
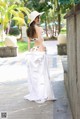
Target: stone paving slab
x=13, y=87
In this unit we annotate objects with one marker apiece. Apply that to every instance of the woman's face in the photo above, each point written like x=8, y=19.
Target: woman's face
x=37, y=20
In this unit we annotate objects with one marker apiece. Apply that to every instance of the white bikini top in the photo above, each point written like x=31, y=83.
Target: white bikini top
x=34, y=39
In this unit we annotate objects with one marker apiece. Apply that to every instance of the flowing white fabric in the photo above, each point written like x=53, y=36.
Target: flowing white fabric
x=38, y=78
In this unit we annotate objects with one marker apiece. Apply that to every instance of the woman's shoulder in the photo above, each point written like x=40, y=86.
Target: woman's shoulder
x=38, y=28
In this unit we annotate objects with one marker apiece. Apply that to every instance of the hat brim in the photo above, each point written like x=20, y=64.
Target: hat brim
x=39, y=14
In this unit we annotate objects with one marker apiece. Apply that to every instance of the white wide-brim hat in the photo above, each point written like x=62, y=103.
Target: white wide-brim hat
x=34, y=14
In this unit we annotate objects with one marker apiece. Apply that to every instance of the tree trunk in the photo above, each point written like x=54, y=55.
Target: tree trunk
x=46, y=28
x=59, y=17
x=59, y=23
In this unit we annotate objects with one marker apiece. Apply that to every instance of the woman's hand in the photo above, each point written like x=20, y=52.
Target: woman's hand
x=44, y=48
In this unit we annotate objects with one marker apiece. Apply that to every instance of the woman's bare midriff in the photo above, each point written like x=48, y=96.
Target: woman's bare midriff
x=40, y=46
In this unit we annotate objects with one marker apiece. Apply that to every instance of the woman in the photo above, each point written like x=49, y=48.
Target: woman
x=38, y=77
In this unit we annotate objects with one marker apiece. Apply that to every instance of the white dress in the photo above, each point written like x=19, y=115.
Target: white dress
x=38, y=78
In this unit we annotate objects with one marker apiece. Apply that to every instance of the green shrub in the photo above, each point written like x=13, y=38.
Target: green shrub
x=50, y=38
x=63, y=30
x=14, y=30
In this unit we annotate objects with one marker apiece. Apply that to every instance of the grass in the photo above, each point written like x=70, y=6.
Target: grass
x=22, y=46
x=1, y=44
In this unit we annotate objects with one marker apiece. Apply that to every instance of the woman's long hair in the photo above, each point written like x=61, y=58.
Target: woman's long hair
x=31, y=30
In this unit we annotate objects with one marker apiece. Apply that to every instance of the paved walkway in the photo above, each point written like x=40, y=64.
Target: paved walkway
x=13, y=87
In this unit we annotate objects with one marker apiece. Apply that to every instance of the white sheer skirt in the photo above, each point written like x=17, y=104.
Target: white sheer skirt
x=39, y=84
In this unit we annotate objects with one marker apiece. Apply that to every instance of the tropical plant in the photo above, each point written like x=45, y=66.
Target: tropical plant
x=10, y=11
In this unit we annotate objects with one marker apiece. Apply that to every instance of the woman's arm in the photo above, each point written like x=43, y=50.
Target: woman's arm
x=28, y=44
